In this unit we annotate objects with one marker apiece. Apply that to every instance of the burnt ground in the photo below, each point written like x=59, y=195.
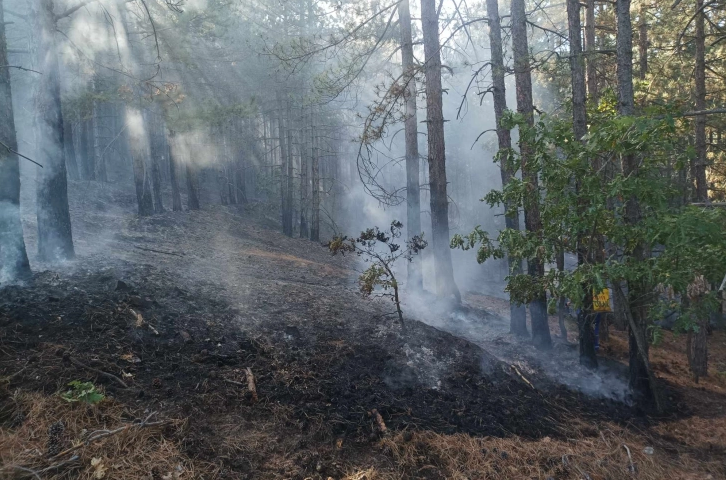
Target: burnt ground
x=176, y=307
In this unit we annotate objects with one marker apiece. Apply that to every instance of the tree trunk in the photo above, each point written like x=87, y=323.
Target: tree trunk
x=315, y=172
x=55, y=238
x=413, y=193
x=523, y=82
x=174, y=175
x=443, y=270
x=588, y=356
x=698, y=169
x=304, y=152
x=139, y=150
x=282, y=139
x=638, y=346
x=592, y=86
x=157, y=153
x=14, y=263
x=289, y=185
x=697, y=349
x=192, y=183
x=642, y=41
x=86, y=165
x=99, y=163
x=517, y=312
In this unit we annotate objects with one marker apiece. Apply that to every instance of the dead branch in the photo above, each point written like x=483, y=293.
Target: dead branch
x=98, y=371
x=251, y=385
x=21, y=155
x=21, y=68
x=630, y=458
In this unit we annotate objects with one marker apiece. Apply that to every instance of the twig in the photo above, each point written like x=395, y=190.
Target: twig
x=98, y=371
x=236, y=383
x=159, y=252
x=96, y=435
x=70, y=460
x=21, y=68
x=21, y=155
x=632, y=466
x=522, y=376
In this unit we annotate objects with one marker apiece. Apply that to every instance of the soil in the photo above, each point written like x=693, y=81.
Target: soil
x=166, y=314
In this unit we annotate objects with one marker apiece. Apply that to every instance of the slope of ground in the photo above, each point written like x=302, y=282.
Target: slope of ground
x=171, y=316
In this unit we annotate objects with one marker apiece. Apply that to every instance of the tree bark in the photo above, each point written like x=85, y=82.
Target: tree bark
x=14, y=263
x=173, y=174
x=523, y=82
x=55, y=238
x=698, y=169
x=192, y=183
x=517, y=312
x=413, y=193
x=443, y=269
x=157, y=153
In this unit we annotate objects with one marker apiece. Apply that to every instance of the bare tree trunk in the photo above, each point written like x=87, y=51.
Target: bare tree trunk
x=592, y=86
x=413, y=193
x=517, y=312
x=315, y=172
x=86, y=161
x=99, y=163
x=443, y=270
x=174, y=175
x=13, y=256
x=55, y=238
x=698, y=169
x=523, y=81
x=640, y=374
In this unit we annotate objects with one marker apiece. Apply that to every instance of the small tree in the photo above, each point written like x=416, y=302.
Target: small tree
x=380, y=272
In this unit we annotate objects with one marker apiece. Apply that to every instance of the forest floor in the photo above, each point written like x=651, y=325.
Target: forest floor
x=170, y=316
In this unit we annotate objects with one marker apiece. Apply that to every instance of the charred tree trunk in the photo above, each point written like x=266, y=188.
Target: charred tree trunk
x=86, y=165
x=284, y=158
x=443, y=270
x=99, y=163
x=413, y=193
x=315, y=173
x=698, y=169
x=174, y=175
x=517, y=312
x=55, y=238
x=523, y=82
x=592, y=85
x=13, y=256
x=640, y=374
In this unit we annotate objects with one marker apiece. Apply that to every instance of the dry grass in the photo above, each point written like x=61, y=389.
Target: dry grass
x=134, y=453
x=603, y=456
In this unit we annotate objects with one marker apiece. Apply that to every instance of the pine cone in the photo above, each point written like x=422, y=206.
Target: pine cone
x=55, y=433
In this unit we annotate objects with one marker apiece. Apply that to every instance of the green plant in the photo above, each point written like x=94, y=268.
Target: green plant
x=85, y=392
x=380, y=272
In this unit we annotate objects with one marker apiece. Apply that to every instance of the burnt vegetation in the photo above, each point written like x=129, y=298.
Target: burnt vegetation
x=179, y=298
